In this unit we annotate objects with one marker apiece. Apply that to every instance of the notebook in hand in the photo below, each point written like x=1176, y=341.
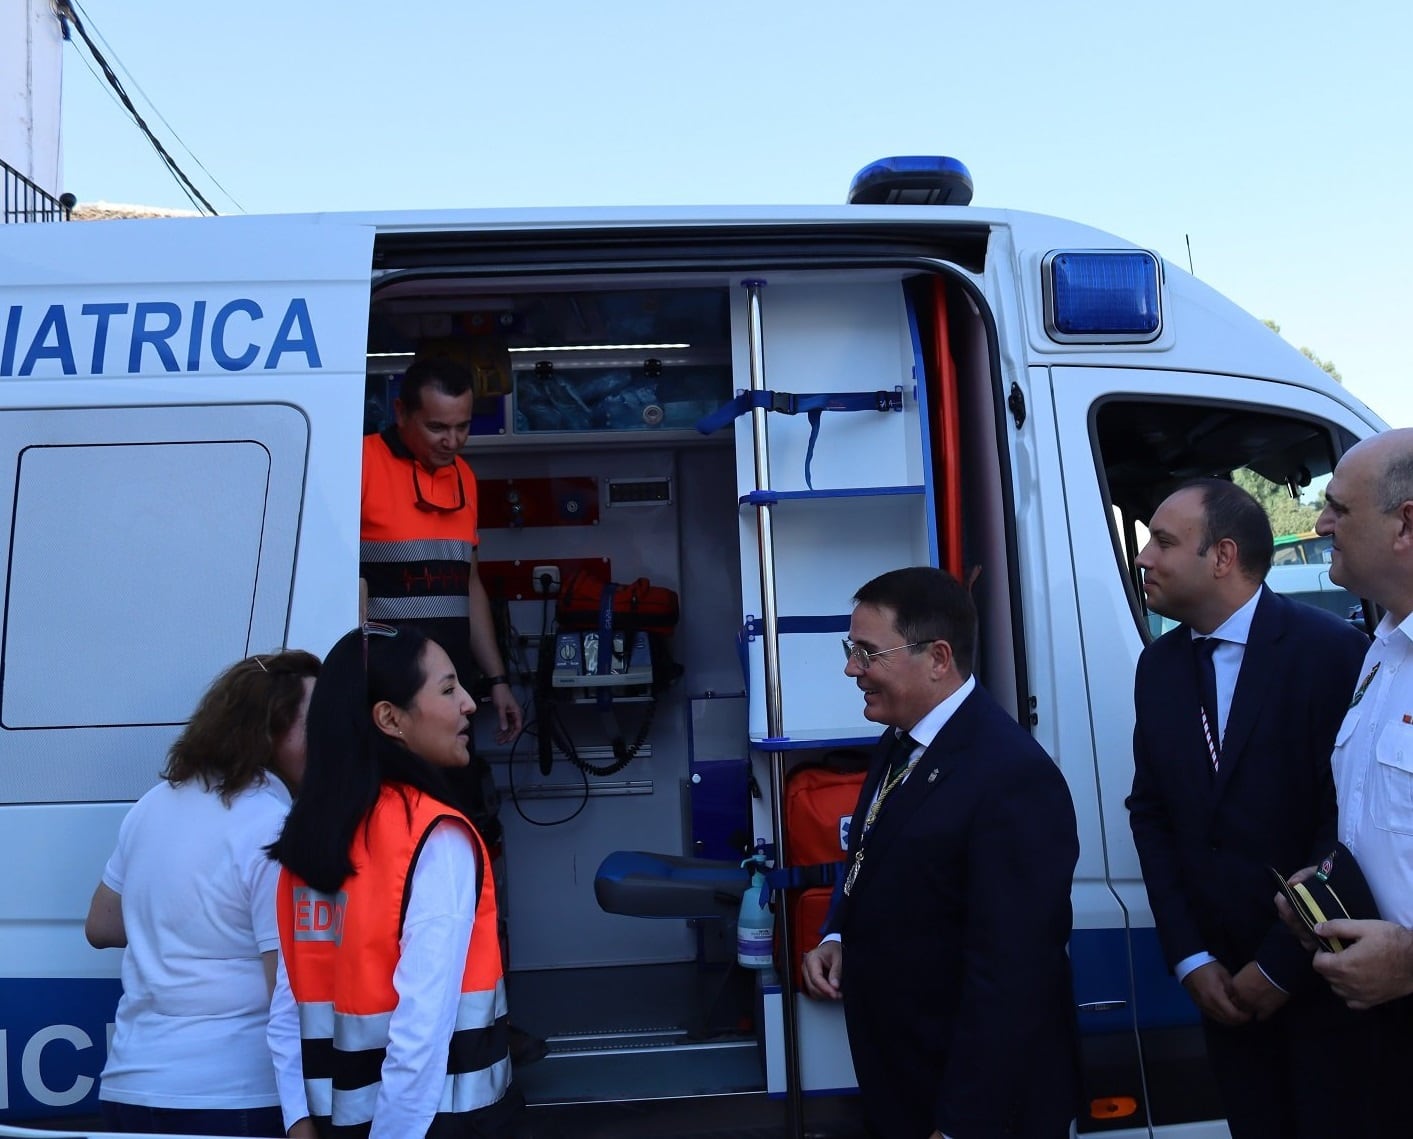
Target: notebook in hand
x=1337, y=889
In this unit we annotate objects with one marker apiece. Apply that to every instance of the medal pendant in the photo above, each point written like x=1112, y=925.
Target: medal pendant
x=853, y=873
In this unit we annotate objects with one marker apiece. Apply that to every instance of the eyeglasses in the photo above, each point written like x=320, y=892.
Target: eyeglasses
x=427, y=506
x=374, y=629
x=863, y=658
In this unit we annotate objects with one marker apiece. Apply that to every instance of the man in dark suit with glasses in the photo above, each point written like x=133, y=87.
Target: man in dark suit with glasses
x=954, y=914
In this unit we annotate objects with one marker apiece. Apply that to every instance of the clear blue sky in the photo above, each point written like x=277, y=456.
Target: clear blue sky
x=1274, y=134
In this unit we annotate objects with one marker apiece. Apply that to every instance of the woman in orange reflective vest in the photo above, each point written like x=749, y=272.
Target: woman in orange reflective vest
x=389, y=1016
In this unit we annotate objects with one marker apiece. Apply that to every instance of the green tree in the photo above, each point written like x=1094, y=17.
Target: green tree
x=1327, y=365
x=1288, y=515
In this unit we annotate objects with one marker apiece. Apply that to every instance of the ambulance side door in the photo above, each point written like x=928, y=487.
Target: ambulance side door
x=1099, y=416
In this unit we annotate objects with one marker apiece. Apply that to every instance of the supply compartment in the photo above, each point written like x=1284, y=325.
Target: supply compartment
x=591, y=469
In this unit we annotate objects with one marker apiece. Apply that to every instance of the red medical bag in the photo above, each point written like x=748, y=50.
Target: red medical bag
x=638, y=606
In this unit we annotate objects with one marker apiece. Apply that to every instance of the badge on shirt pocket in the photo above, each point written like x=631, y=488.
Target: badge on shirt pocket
x=1364, y=684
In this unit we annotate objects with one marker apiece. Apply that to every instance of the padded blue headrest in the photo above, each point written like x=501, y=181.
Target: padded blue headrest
x=642, y=884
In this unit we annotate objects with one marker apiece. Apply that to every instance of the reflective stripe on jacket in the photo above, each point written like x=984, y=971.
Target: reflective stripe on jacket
x=341, y=952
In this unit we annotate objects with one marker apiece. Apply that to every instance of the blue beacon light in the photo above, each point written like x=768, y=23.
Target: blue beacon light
x=916, y=180
x=1102, y=295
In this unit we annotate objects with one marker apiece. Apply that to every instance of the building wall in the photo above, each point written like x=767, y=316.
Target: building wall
x=31, y=68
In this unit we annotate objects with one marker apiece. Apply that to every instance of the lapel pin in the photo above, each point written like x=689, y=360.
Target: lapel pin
x=932, y=778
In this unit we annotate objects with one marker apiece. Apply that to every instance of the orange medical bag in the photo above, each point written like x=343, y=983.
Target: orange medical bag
x=819, y=803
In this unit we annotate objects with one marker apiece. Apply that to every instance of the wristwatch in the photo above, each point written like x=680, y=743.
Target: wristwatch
x=492, y=681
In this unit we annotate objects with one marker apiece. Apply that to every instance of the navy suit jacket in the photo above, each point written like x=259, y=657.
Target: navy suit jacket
x=956, y=978
x=1205, y=842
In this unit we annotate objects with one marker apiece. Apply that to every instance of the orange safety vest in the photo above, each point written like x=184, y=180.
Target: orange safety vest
x=416, y=561
x=340, y=952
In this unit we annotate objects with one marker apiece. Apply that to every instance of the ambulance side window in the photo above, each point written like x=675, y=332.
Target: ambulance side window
x=1147, y=449
x=149, y=549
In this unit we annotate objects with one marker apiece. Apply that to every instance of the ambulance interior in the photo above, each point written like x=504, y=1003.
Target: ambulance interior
x=590, y=468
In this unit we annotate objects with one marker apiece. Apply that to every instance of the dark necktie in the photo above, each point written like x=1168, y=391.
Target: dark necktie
x=900, y=754
x=1204, y=647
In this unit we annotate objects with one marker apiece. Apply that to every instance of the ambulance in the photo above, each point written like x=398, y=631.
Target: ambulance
x=757, y=409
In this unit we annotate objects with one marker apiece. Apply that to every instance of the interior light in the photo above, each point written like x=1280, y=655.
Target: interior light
x=554, y=348
x=600, y=348
x=1102, y=295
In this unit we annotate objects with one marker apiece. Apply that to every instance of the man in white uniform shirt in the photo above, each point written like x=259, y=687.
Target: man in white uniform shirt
x=1369, y=514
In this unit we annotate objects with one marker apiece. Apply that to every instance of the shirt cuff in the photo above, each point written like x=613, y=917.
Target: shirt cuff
x=1192, y=964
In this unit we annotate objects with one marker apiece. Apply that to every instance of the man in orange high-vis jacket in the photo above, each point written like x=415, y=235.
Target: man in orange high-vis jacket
x=418, y=533
x=374, y=1061
x=417, y=556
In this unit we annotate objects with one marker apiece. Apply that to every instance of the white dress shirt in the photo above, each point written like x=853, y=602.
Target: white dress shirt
x=1232, y=635
x=1373, y=770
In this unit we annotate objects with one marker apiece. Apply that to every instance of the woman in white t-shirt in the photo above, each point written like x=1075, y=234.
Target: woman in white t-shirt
x=189, y=895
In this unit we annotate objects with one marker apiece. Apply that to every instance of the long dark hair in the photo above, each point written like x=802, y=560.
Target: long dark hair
x=349, y=758
x=229, y=742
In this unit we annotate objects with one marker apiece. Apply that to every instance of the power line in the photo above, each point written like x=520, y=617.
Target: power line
x=132, y=79
x=99, y=79
x=67, y=12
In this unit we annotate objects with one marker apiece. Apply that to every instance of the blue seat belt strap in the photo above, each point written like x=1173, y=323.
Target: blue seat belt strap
x=812, y=404
x=814, y=417
x=803, y=877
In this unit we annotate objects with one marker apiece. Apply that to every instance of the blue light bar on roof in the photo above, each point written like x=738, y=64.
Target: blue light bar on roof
x=912, y=180
x=1102, y=296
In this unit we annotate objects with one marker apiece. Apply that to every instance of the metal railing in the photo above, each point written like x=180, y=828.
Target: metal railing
x=24, y=201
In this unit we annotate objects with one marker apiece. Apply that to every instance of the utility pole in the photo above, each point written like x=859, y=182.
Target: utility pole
x=31, y=91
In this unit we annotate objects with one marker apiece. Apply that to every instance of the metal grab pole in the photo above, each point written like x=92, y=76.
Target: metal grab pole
x=774, y=713
x=774, y=708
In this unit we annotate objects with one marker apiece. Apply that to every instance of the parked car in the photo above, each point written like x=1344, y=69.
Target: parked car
x=1302, y=549
x=1310, y=582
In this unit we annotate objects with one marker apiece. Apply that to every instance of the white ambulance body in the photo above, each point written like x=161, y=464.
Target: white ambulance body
x=181, y=409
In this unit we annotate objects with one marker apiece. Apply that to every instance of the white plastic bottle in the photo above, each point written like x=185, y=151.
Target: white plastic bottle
x=755, y=927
